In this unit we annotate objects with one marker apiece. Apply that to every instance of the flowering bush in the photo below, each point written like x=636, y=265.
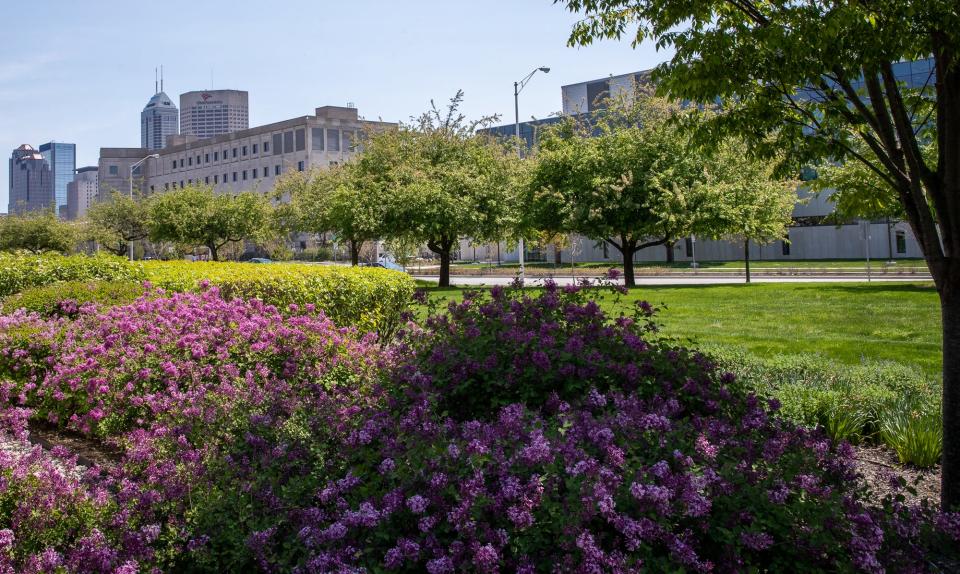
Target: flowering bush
x=249, y=440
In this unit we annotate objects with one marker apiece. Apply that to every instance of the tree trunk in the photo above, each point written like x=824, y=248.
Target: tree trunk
x=557, y=254
x=354, y=253
x=950, y=316
x=746, y=257
x=213, y=252
x=629, y=279
x=669, y=245
x=442, y=247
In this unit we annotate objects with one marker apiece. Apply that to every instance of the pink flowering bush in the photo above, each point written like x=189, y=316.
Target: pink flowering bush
x=509, y=434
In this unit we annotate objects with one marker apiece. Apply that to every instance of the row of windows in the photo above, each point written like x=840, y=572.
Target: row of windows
x=287, y=142
x=237, y=176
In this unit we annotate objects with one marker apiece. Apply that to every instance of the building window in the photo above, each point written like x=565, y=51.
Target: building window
x=316, y=139
x=174, y=166
x=244, y=175
x=277, y=144
x=901, y=242
x=300, y=166
x=301, y=136
x=216, y=156
x=114, y=170
x=190, y=161
x=198, y=160
x=244, y=151
x=206, y=180
x=266, y=147
x=689, y=245
x=276, y=169
x=181, y=183
x=234, y=152
x=287, y=142
x=206, y=158
x=347, y=140
x=333, y=140
x=216, y=179
x=224, y=178
x=151, y=189
x=234, y=176
x=181, y=162
x=254, y=149
x=189, y=182
x=166, y=187
x=785, y=245
x=174, y=185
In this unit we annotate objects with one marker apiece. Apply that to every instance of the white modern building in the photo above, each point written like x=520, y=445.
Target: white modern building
x=82, y=192
x=250, y=159
x=158, y=120
x=210, y=113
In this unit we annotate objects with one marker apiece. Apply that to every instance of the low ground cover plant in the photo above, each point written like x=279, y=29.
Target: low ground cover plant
x=877, y=402
x=21, y=270
x=507, y=433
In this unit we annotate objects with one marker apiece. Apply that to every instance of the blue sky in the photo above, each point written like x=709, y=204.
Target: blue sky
x=81, y=72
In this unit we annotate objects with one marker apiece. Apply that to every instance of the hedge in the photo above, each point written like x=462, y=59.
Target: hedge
x=65, y=298
x=371, y=299
x=19, y=271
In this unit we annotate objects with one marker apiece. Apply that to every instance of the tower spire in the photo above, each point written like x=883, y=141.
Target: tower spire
x=161, y=77
x=155, y=90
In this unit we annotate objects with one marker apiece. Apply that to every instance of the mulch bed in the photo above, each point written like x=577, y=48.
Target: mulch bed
x=878, y=464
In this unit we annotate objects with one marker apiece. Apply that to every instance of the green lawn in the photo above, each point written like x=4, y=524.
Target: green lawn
x=842, y=321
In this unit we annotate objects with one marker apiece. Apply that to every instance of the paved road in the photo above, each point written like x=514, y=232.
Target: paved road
x=692, y=280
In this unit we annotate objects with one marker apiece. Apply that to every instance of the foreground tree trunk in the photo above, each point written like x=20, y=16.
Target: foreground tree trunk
x=213, y=252
x=746, y=257
x=950, y=314
x=670, y=257
x=557, y=254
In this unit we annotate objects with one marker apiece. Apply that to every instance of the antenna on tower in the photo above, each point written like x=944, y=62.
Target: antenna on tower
x=161, y=77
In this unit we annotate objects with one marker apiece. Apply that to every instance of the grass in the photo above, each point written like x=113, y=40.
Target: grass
x=846, y=322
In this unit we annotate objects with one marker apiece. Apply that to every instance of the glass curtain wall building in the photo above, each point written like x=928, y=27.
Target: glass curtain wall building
x=62, y=158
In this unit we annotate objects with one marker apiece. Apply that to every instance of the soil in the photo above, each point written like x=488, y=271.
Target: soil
x=878, y=464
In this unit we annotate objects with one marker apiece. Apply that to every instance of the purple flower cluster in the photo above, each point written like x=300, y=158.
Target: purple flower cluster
x=511, y=433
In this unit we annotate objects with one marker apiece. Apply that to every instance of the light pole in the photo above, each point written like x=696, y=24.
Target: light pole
x=517, y=88
x=132, y=167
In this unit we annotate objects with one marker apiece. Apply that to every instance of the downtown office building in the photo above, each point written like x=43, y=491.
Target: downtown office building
x=244, y=160
x=31, y=181
x=211, y=113
x=62, y=158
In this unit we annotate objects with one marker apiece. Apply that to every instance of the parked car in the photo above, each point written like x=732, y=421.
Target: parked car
x=260, y=260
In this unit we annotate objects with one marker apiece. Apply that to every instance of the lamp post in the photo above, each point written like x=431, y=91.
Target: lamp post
x=132, y=167
x=517, y=88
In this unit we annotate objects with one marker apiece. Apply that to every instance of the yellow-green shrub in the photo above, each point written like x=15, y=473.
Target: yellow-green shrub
x=19, y=271
x=370, y=298
x=63, y=298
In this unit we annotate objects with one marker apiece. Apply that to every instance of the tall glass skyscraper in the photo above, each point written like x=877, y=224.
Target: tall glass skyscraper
x=62, y=158
x=158, y=120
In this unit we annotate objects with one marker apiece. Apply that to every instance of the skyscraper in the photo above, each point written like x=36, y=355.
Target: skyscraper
x=31, y=181
x=62, y=158
x=215, y=112
x=82, y=192
x=158, y=120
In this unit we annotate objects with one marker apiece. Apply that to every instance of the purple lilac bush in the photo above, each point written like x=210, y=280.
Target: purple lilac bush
x=511, y=433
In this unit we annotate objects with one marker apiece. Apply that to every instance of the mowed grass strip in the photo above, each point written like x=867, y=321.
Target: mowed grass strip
x=846, y=322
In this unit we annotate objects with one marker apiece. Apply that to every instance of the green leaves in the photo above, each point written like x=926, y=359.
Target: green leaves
x=37, y=232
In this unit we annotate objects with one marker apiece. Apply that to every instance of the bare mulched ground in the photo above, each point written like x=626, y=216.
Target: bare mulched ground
x=878, y=464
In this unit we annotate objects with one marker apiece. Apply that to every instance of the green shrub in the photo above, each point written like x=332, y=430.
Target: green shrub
x=372, y=299
x=851, y=402
x=63, y=299
x=914, y=430
x=19, y=271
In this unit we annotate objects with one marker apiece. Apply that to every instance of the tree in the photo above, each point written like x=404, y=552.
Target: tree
x=627, y=176
x=439, y=181
x=120, y=221
x=747, y=201
x=341, y=200
x=198, y=216
x=814, y=78
x=37, y=232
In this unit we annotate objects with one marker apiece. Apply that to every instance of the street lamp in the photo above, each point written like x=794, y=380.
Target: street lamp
x=132, y=167
x=517, y=88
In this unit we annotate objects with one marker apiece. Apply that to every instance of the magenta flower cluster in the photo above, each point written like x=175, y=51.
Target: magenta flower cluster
x=508, y=434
